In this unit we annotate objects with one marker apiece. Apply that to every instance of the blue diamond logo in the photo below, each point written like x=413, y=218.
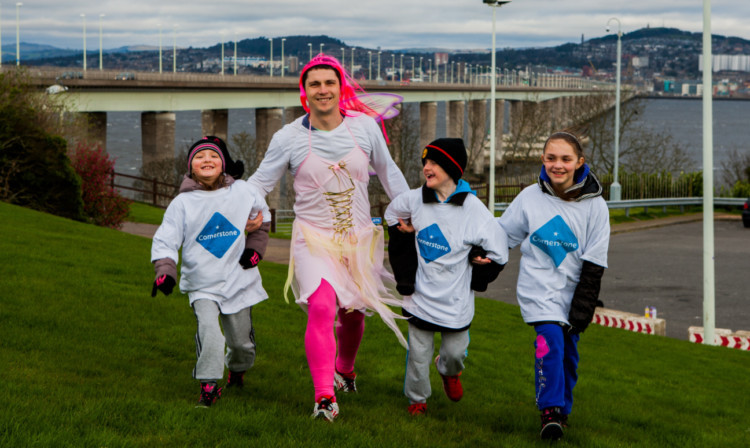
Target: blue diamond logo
x=555, y=239
x=218, y=235
x=432, y=244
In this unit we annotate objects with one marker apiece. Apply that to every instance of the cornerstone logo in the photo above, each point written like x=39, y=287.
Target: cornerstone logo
x=555, y=239
x=432, y=243
x=218, y=235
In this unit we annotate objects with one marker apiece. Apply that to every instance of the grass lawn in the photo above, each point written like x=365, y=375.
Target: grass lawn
x=90, y=359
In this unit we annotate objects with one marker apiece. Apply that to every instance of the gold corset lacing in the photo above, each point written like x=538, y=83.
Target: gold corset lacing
x=341, y=203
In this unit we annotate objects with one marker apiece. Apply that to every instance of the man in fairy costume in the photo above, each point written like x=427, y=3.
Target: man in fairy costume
x=336, y=264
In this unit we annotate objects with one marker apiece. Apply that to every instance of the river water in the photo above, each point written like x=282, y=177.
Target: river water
x=681, y=118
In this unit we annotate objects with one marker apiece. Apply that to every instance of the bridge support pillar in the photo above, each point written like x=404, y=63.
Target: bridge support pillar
x=215, y=122
x=499, y=128
x=477, y=134
x=157, y=136
x=455, y=119
x=516, y=117
x=427, y=122
x=267, y=122
x=96, y=128
x=292, y=113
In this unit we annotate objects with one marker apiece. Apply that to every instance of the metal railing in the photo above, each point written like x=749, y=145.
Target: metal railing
x=657, y=202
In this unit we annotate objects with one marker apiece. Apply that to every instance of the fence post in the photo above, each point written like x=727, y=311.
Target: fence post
x=155, y=191
x=273, y=220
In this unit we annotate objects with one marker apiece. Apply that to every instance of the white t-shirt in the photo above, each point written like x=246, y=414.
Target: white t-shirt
x=444, y=235
x=556, y=236
x=210, y=228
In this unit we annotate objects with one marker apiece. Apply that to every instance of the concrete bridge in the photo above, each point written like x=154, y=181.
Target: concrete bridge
x=276, y=101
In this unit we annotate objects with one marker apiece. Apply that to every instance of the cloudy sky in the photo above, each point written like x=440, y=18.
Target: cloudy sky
x=390, y=24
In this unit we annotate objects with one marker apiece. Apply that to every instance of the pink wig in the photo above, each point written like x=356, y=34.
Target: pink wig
x=350, y=90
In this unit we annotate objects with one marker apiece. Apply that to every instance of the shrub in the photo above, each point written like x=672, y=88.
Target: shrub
x=35, y=171
x=102, y=204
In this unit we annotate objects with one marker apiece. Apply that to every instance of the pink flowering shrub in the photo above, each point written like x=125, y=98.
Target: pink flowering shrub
x=102, y=205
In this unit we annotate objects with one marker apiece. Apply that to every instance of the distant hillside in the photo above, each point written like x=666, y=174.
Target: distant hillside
x=668, y=51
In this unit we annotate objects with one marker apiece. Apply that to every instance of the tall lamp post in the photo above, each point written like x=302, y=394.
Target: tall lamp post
x=160, y=58
x=352, y=68
x=413, y=73
x=393, y=67
x=421, y=76
x=401, y=70
x=309, y=45
x=615, y=189
x=491, y=201
x=283, y=39
x=369, y=77
x=234, y=54
x=222, y=53
x=321, y=49
x=379, y=53
x=174, y=49
x=709, y=278
x=18, y=35
x=270, y=66
x=101, y=62
x=84, y=41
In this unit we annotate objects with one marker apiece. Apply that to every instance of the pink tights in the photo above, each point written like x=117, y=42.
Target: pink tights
x=320, y=340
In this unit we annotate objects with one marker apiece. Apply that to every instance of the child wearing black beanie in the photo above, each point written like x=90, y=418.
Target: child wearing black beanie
x=430, y=260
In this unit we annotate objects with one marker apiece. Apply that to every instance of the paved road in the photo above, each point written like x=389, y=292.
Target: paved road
x=663, y=267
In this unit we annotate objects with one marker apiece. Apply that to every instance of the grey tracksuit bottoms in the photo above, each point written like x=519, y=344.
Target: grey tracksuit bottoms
x=453, y=351
x=239, y=337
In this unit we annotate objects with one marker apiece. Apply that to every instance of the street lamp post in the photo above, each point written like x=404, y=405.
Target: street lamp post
x=270, y=65
x=283, y=39
x=174, y=48
x=379, y=53
x=615, y=189
x=234, y=54
x=222, y=53
x=321, y=49
x=309, y=45
x=421, y=76
x=101, y=62
x=84, y=41
x=429, y=70
x=393, y=67
x=401, y=70
x=18, y=41
x=160, y=58
x=343, y=57
x=413, y=73
x=369, y=77
x=352, y=68
x=452, y=62
x=491, y=201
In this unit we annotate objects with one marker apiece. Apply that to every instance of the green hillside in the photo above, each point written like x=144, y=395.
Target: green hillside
x=90, y=359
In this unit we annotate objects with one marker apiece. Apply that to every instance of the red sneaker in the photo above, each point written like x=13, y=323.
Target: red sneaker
x=452, y=385
x=418, y=409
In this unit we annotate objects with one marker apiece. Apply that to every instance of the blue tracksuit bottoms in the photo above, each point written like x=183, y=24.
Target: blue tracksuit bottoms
x=555, y=367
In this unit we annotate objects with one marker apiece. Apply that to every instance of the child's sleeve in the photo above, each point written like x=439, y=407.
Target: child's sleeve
x=402, y=248
x=586, y=294
x=167, y=241
x=258, y=240
x=489, y=242
x=514, y=223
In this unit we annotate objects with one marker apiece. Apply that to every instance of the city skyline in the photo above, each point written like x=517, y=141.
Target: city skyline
x=388, y=24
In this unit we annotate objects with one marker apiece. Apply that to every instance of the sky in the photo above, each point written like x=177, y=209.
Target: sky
x=389, y=24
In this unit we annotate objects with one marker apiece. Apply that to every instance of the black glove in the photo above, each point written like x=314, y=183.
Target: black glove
x=585, y=297
x=249, y=259
x=571, y=330
x=477, y=251
x=165, y=284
